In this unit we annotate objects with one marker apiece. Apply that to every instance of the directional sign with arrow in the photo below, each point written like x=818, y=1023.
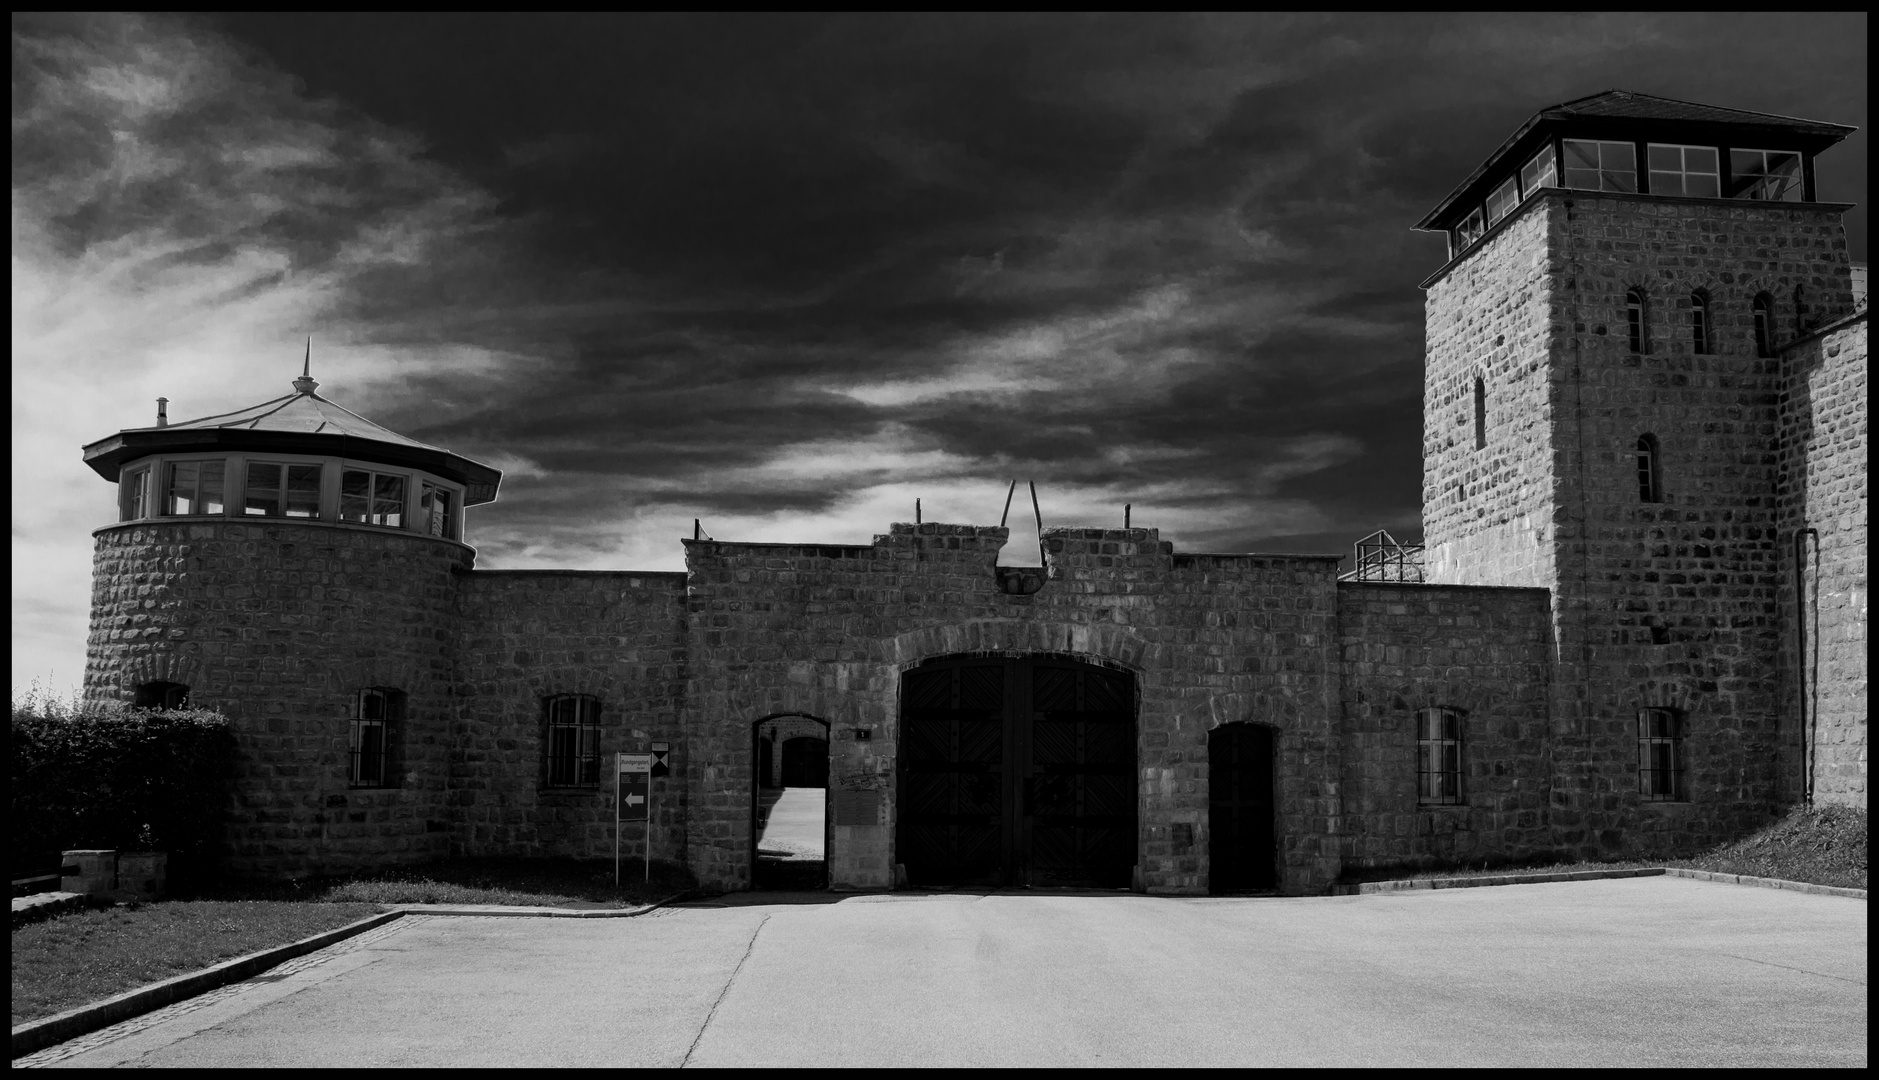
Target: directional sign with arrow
x=635, y=789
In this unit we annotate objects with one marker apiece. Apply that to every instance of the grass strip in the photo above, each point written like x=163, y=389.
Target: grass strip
x=90, y=955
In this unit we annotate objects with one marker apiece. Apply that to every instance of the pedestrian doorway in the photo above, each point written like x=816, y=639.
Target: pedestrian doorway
x=1242, y=853
x=1017, y=771
x=789, y=827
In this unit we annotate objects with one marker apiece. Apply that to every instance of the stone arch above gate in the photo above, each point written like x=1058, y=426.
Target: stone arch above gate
x=1112, y=643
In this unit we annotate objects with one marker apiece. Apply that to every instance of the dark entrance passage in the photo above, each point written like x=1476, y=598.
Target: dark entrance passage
x=806, y=762
x=1242, y=853
x=1017, y=771
x=789, y=834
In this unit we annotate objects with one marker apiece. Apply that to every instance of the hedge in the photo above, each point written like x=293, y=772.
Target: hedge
x=105, y=776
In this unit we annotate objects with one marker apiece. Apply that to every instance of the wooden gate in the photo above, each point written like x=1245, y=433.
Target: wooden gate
x=1017, y=771
x=1242, y=852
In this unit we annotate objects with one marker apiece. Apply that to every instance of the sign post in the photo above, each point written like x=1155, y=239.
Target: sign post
x=632, y=783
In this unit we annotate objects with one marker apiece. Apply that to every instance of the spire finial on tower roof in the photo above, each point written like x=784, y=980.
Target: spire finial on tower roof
x=305, y=384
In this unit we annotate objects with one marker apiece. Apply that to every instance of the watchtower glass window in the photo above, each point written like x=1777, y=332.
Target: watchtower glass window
x=1660, y=755
x=1542, y=171
x=1601, y=166
x=133, y=492
x=1684, y=170
x=1650, y=477
x=193, y=487
x=1438, y=757
x=573, y=741
x=371, y=735
x=1765, y=175
x=372, y=498
x=1503, y=200
x=434, y=512
x=282, y=490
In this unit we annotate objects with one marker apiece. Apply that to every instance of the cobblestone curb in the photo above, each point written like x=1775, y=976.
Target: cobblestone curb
x=39, y=1034
x=1766, y=882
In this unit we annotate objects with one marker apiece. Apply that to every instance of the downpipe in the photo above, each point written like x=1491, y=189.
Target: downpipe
x=1807, y=673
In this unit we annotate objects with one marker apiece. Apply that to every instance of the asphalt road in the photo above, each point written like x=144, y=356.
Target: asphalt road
x=1640, y=971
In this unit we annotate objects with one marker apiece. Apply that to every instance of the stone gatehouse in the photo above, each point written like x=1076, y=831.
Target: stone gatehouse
x=1638, y=624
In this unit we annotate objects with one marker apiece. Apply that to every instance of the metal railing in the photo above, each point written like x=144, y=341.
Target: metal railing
x=1379, y=557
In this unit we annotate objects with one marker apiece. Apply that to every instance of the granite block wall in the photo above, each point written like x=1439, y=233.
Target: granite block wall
x=529, y=635
x=1823, y=485
x=279, y=625
x=1486, y=652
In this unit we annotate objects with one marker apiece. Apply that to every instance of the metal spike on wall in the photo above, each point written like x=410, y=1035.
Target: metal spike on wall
x=1009, y=492
x=1040, y=525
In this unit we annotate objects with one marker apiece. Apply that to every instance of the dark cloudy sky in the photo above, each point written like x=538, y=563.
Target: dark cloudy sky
x=787, y=274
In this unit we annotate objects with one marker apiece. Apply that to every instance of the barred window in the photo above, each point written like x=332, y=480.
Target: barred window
x=573, y=741
x=1764, y=325
x=1699, y=322
x=371, y=737
x=194, y=487
x=1660, y=755
x=1438, y=757
x=161, y=695
x=1650, y=470
x=1637, y=325
x=275, y=490
x=372, y=498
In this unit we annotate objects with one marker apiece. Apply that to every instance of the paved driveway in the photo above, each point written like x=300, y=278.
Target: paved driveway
x=1639, y=971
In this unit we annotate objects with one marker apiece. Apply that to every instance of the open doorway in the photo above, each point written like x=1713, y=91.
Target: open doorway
x=789, y=834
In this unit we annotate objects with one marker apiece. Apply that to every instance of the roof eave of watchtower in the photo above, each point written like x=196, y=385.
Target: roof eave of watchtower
x=1628, y=109
x=299, y=423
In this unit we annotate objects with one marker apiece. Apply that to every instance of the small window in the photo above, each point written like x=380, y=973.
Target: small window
x=1541, y=172
x=371, y=736
x=1438, y=757
x=1503, y=200
x=1601, y=166
x=1480, y=414
x=161, y=695
x=372, y=498
x=434, y=511
x=573, y=741
x=282, y=491
x=1699, y=322
x=1765, y=175
x=1650, y=478
x=1800, y=311
x=1764, y=325
x=194, y=487
x=1637, y=327
x=133, y=494
x=1684, y=170
x=1470, y=230
x=1660, y=755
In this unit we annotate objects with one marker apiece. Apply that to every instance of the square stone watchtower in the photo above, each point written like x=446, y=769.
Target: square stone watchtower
x=1602, y=398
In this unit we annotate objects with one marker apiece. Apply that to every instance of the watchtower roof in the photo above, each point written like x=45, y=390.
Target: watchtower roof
x=1623, y=113
x=301, y=422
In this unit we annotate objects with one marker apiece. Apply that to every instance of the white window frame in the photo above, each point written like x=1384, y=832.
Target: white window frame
x=429, y=520
x=1683, y=172
x=1606, y=171
x=373, y=475
x=167, y=487
x=1533, y=179
x=1503, y=200
x=133, y=492
x=1470, y=230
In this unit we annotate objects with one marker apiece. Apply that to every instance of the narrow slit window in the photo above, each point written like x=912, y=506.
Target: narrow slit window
x=1660, y=755
x=1764, y=325
x=434, y=504
x=1480, y=414
x=1650, y=477
x=1438, y=757
x=1684, y=170
x=1800, y=311
x=195, y=487
x=1765, y=175
x=1699, y=322
x=1637, y=329
x=1601, y=166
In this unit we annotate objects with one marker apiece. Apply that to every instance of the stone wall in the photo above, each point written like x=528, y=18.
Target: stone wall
x=827, y=631
x=528, y=635
x=1823, y=487
x=279, y=625
x=1485, y=652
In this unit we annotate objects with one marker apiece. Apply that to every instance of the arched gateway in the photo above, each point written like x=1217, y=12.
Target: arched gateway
x=1017, y=771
